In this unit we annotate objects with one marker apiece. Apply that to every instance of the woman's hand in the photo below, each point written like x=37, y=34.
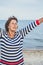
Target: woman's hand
x=41, y=20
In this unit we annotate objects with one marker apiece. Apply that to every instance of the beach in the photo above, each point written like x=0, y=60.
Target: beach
x=33, y=57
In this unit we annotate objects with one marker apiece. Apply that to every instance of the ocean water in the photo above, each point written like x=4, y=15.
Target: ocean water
x=34, y=39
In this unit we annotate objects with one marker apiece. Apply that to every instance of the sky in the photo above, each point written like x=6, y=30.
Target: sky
x=22, y=9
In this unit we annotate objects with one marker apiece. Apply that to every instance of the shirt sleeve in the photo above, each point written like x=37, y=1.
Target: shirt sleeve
x=29, y=27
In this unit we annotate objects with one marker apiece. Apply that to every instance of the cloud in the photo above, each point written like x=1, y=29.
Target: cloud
x=14, y=3
x=22, y=9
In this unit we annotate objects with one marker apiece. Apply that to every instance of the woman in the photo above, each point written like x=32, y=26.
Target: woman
x=11, y=41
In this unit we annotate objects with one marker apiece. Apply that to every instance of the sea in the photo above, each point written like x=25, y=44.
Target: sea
x=34, y=39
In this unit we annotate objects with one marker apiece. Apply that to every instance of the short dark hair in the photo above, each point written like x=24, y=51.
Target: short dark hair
x=8, y=21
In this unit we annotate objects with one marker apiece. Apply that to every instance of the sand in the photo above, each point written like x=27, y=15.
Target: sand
x=33, y=57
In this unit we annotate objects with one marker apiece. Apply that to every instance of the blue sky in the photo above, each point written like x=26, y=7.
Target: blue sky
x=22, y=9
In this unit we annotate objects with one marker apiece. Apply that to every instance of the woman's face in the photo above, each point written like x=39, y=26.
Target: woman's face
x=13, y=25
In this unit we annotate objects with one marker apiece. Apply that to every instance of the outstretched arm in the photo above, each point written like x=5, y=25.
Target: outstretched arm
x=31, y=26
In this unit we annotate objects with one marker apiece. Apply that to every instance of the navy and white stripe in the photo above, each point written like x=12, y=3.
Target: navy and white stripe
x=11, y=49
x=27, y=29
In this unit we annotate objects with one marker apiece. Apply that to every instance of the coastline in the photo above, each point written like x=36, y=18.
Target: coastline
x=33, y=57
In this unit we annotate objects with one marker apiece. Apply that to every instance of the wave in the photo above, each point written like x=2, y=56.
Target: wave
x=40, y=40
x=36, y=39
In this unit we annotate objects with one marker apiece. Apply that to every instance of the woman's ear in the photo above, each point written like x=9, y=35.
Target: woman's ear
x=8, y=27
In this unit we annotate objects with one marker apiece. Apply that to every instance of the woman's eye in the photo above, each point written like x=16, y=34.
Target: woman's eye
x=12, y=23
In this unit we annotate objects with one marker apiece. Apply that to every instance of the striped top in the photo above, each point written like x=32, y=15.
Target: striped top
x=11, y=48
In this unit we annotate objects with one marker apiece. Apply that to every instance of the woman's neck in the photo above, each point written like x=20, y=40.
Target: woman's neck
x=11, y=34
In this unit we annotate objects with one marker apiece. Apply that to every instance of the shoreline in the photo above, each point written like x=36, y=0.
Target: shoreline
x=33, y=57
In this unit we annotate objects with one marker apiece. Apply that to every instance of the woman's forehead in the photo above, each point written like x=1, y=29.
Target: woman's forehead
x=13, y=21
